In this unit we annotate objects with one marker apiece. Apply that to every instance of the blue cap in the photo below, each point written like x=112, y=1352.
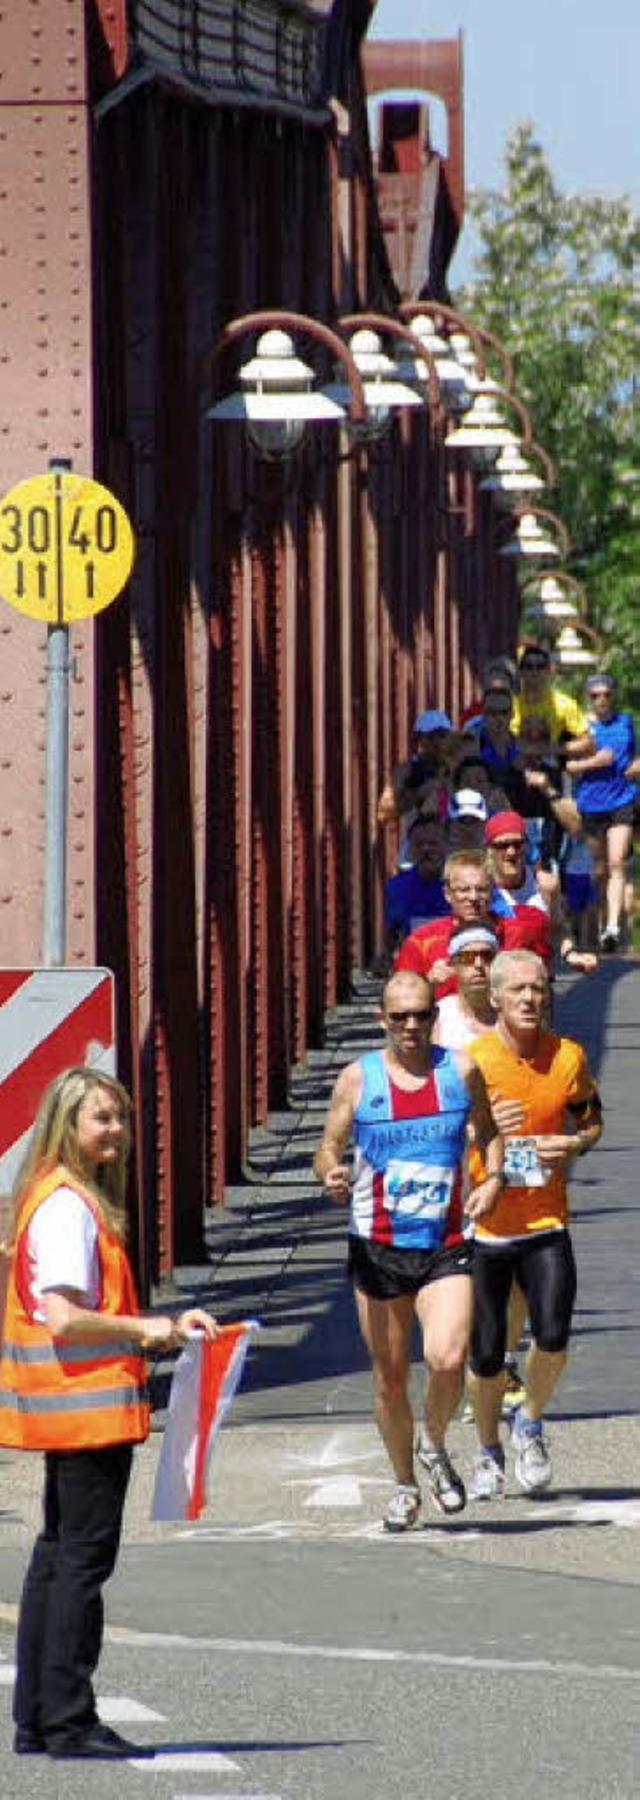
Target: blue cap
x=432, y=721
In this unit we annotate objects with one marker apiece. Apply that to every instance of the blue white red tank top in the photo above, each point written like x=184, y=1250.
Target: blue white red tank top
x=409, y=1147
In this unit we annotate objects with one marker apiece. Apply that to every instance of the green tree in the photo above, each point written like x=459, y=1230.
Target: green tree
x=556, y=277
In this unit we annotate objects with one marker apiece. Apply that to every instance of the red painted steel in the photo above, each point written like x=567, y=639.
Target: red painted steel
x=259, y=679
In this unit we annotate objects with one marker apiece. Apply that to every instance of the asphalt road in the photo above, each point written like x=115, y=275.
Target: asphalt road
x=284, y=1647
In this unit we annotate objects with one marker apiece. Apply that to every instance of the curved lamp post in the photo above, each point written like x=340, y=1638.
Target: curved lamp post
x=529, y=539
x=277, y=399
x=483, y=431
x=571, y=650
x=557, y=596
x=363, y=325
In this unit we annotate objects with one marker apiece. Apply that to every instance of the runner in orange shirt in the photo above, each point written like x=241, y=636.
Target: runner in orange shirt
x=546, y=1104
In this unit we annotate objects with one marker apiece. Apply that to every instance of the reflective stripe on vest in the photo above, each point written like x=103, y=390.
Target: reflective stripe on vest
x=70, y=1396
x=42, y=1403
x=70, y=1353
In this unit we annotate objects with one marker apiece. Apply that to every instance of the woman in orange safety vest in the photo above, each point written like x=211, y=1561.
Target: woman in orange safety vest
x=73, y=1383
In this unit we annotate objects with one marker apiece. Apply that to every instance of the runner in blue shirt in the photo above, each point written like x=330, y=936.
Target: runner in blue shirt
x=605, y=797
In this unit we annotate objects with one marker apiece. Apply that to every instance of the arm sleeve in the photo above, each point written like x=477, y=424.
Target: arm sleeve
x=574, y=720
x=582, y=1087
x=63, y=1239
x=411, y=955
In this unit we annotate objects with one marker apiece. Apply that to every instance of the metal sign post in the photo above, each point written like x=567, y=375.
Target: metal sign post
x=66, y=551
x=54, y=919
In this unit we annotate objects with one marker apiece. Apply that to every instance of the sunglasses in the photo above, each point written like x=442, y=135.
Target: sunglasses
x=421, y=1014
x=508, y=844
x=468, y=957
x=534, y=664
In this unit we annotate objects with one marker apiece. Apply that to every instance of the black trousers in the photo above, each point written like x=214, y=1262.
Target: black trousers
x=61, y=1613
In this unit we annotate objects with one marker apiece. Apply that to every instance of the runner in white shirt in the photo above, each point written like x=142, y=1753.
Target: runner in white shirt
x=463, y=1016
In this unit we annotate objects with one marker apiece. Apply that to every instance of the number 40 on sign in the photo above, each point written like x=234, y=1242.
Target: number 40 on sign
x=66, y=547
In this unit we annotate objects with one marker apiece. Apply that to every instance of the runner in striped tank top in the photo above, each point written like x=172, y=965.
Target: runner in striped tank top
x=408, y=1108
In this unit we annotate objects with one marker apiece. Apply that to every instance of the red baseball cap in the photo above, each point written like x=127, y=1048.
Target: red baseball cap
x=504, y=824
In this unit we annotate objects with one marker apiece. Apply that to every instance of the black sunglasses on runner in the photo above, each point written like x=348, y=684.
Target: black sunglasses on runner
x=420, y=1013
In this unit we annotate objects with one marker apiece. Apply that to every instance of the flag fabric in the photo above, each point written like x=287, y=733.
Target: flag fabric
x=205, y=1379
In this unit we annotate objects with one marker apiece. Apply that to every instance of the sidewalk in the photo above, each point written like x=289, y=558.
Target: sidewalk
x=277, y=1251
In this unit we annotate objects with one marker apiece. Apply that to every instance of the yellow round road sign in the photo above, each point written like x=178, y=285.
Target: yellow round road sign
x=66, y=547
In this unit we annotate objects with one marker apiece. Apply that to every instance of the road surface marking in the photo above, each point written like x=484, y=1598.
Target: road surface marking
x=623, y=1513
x=363, y=1653
x=339, y=1449
x=210, y=1762
x=116, y=1708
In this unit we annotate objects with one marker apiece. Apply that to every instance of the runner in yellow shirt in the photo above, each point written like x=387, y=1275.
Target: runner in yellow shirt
x=540, y=697
x=546, y=1104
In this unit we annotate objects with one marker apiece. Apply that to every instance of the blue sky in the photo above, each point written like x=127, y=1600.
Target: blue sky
x=572, y=66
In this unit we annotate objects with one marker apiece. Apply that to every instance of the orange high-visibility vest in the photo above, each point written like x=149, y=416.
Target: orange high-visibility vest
x=70, y=1396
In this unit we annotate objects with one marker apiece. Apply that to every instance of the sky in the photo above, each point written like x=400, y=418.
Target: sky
x=571, y=66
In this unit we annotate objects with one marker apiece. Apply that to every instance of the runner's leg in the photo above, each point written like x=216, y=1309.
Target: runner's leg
x=386, y=1327
x=617, y=851
x=443, y=1309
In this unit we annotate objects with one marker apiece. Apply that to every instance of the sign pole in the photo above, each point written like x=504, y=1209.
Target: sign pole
x=66, y=551
x=57, y=759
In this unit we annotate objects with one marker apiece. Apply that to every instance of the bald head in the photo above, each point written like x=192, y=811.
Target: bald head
x=406, y=990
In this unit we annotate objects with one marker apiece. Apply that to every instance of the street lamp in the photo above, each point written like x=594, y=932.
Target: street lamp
x=555, y=596
x=571, y=649
x=529, y=538
x=276, y=399
x=512, y=475
x=484, y=430
x=423, y=316
x=388, y=382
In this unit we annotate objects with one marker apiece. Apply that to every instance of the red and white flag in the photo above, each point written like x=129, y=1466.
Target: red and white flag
x=205, y=1379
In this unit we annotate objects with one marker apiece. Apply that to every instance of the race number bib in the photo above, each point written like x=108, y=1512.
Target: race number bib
x=522, y=1165
x=416, y=1190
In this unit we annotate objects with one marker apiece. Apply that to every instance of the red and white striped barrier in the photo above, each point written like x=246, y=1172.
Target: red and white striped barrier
x=50, y=1019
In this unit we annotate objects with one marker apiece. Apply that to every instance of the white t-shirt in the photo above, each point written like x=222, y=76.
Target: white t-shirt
x=455, y=1029
x=62, y=1241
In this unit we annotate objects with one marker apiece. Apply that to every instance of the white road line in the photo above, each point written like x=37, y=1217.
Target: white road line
x=339, y=1490
x=115, y=1708
x=433, y=1659
x=198, y=1762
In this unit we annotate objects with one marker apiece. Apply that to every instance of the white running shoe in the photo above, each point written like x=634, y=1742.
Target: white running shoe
x=533, y=1468
x=487, y=1481
x=446, y=1487
x=402, y=1511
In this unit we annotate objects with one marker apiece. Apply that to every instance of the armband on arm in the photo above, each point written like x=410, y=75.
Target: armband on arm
x=587, y=1115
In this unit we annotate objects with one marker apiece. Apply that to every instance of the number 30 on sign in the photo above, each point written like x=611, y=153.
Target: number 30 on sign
x=66, y=547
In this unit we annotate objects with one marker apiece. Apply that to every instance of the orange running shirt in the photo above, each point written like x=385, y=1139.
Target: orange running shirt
x=556, y=1078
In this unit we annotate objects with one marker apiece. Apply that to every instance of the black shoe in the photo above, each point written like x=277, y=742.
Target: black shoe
x=98, y=1742
x=27, y=1742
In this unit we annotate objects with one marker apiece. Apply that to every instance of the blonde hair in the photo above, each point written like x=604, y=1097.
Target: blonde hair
x=506, y=961
x=466, y=859
x=54, y=1140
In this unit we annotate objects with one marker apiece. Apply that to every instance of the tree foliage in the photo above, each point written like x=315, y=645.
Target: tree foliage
x=556, y=278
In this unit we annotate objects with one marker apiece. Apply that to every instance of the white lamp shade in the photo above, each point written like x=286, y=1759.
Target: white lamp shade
x=529, y=540
x=571, y=649
x=276, y=388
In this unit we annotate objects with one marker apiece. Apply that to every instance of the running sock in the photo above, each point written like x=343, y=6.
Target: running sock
x=495, y=1451
x=524, y=1427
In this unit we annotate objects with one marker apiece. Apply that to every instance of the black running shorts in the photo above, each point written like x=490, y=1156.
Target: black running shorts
x=544, y=1267
x=384, y=1272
